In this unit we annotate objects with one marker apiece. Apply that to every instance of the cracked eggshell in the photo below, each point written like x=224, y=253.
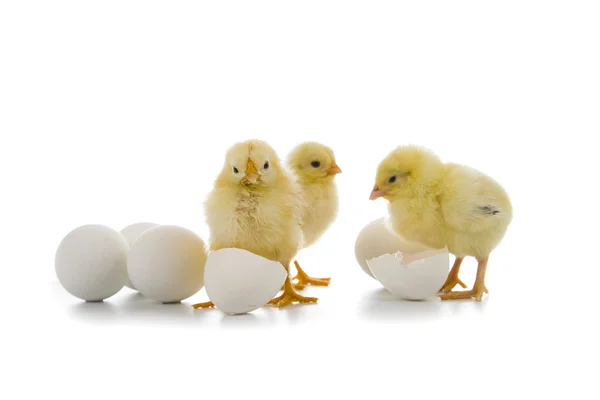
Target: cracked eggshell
x=238, y=281
x=131, y=233
x=376, y=239
x=413, y=277
x=166, y=263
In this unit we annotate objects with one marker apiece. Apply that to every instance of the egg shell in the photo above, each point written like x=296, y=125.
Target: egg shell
x=166, y=263
x=413, y=277
x=90, y=262
x=238, y=281
x=131, y=233
x=376, y=239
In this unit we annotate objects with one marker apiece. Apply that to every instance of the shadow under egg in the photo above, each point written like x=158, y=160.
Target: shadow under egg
x=240, y=320
x=136, y=307
x=381, y=305
x=94, y=311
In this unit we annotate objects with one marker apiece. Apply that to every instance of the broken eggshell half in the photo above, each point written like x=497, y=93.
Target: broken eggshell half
x=416, y=276
x=377, y=238
x=238, y=281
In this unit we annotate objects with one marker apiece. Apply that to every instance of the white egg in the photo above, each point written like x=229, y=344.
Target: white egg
x=238, y=281
x=376, y=239
x=416, y=276
x=131, y=233
x=91, y=262
x=166, y=263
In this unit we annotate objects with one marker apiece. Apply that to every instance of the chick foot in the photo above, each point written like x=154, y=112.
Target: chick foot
x=290, y=296
x=453, y=279
x=451, y=283
x=303, y=279
x=478, y=288
x=208, y=304
x=475, y=293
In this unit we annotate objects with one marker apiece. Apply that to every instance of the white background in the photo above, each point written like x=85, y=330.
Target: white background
x=116, y=112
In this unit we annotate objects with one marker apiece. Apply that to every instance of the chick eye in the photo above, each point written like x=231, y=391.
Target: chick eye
x=315, y=164
x=235, y=170
x=392, y=179
x=266, y=166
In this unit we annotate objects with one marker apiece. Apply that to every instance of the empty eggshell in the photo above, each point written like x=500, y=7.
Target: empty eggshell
x=238, y=281
x=376, y=239
x=131, y=233
x=91, y=261
x=414, y=277
x=166, y=263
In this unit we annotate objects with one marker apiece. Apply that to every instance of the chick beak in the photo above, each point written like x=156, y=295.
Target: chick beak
x=334, y=170
x=376, y=193
x=252, y=174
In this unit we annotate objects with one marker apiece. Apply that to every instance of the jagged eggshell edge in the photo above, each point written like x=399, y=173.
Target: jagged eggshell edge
x=238, y=281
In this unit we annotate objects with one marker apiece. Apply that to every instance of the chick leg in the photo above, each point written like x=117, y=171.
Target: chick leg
x=289, y=296
x=478, y=288
x=304, y=279
x=453, y=279
x=208, y=304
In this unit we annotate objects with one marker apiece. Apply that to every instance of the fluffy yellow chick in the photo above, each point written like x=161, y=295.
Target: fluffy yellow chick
x=444, y=205
x=315, y=168
x=255, y=206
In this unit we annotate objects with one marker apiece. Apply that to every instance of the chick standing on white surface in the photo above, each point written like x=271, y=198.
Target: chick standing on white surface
x=315, y=168
x=443, y=205
x=255, y=206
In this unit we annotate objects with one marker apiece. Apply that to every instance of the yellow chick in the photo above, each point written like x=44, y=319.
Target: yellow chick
x=444, y=205
x=255, y=206
x=315, y=169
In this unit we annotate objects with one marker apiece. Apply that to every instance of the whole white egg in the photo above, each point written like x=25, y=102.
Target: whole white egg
x=131, y=233
x=417, y=276
x=91, y=262
x=166, y=263
x=376, y=239
x=238, y=281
